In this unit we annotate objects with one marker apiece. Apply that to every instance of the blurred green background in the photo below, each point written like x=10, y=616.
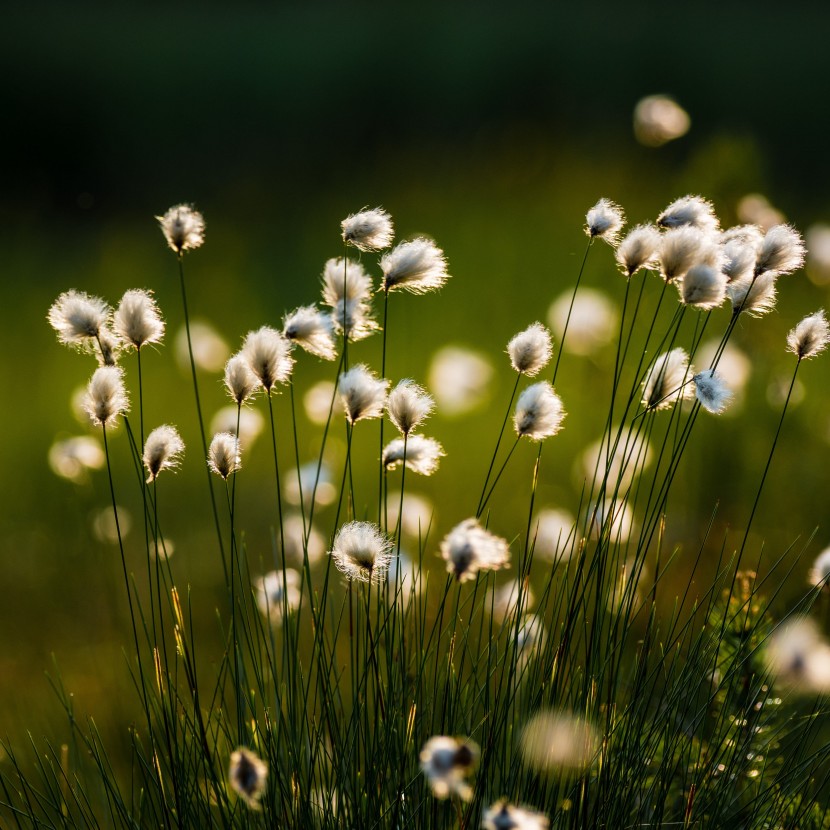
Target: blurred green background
x=491, y=128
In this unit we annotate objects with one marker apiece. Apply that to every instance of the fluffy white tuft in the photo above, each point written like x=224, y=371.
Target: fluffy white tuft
x=703, y=287
x=240, y=381
x=269, y=355
x=781, y=250
x=368, y=230
x=810, y=337
x=420, y=454
x=137, y=319
x=162, y=450
x=223, y=454
x=311, y=329
x=530, y=350
x=183, y=228
x=667, y=381
x=711, y=391
x=106, y=398
x=362, y=393
x=408, y=406
x=362, y=552
x=468, y=548
x=694, y=211
x=77, y=317
x=638, y=249
x=539, y=412
x=604, y=221
x=417, y=266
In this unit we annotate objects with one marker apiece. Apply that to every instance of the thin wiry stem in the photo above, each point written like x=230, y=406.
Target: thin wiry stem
x=381, y=517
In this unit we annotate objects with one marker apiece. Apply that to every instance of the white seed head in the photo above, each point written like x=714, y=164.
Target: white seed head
x=684, y=247
x=269, y=356
x=638, y=249
x=539, y=412
x=106, y=398
x=504, y=816
x=417, y=266
x=344, y=279
x=240, y=381
x=162, y=450
x=739, y=255
x=810, y=337
x=73, y=457
x=468, y=548
x=106, y=347
x=694, y=211
x=781, y=250
x=368, y=230
x=248, y=775
x=667, y=381
x=659, y=119
x=751, y=295
x=552, y=740
x=78, y=317
x=362, y=393
x=748, y=234
x=408, y=406
x=275, y=596
x=819, y=574
x=460, y=379
x=530, y=350
x=311, y=329
x=362, y=552
x=183, y=228
x=422, y=454
x=354, y=316
x=223, y=454
x=711, y=391
x=703, y=287
x=137, y=319
x=604, y=220
x=447, y=763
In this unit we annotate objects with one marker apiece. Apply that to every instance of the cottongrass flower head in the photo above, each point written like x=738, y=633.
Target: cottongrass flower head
x=810, y=337
x=460, y=379
x=703, y=287
x=754, y=296
x=248, y=775
x=73, y=457
x=269, y=355
x=224, y=457
x=590, y=317
x=240, y=380
x=106, y=398
x=162, y=450
x=638, y=249
x=276, y=595
x=368, y=230
x=530, y=350
x=740, y=252
x=447, y=763
x=819, y=574
x=106, y=347
x=604, y=221
x=137, y=320
x=693, y=211
x=504, y=816
x=468, y=548
x=362, y=552
x=711, y=391
x=781, y=250
x=684, y=247
x=422, y=454
x=183, y=228
x=78, y=317
x=667, y=381
x=659, y=119
x=539, y=412
x=417, y=266
x=354, y=317
x=311, y=329
x=554, y=741
x=344, y=279
x=408, y=406
x=362, y=393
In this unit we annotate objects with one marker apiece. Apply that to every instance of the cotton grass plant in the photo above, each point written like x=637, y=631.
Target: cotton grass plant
x=382, y=672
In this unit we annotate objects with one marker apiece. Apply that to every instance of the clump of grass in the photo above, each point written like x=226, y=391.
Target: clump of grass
x=364, y=688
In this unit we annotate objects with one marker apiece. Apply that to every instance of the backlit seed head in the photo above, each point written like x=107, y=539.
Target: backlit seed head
x=711, y=391
x=345, y=279
x=693, y=211
x=183, y=228
x=106, y=398
x=362, y=552
x=269, y=356
x=810, y=337
x=530, y=350
x=162, y=450
x=468, y=548
x=362, y=393
x=667, y=381
x=539, y=412
x=137, y=319
x=604, y=221
x=368, y=230
x=77, y=317
x=408, y=406
x=422, y=454
x=223, y=455
x=311, y=329
x=781, y=250
x=638, y=249
x=417, y=266
x=240, y=381
x=504, y=816
x=447, y=763
x=248, y=775
x=703, y=287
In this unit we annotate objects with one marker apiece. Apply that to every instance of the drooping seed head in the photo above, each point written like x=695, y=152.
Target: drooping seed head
x=530, y=350
x=240, y=381
x=162, y=450
x=447, y=763
x=739, y=255
x=248, y=776
x=422, y=454
x=638, y=249
x=539, y=412
x=368, y=230
x=224, y=457
x=269, y=356
x=684, y=247
x=362, y=552
x=711, y=391
x=183, y=228
x=692, y=211
x=78, y=317
x=703, y=287
x=667, y=381
x=311, y=329
x=604, y=221
x=417, y=266
x=810, y=337
x=362, y=393
x=754, y=296
x=106, y=398
x=468, y=548
x=408, y=406
x=137, y=319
